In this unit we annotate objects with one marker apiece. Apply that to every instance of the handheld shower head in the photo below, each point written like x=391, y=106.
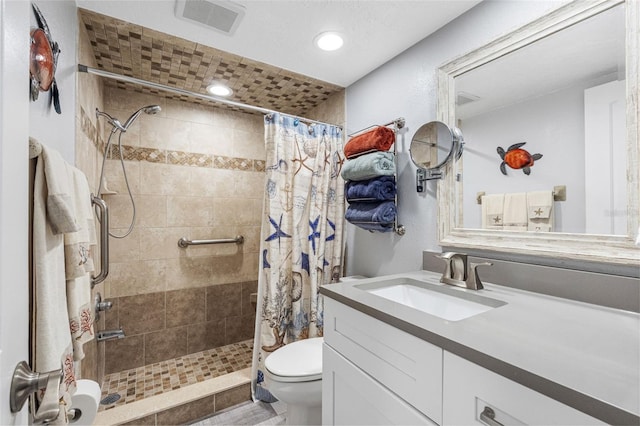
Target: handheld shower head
x=113, y=121
x=149, y=109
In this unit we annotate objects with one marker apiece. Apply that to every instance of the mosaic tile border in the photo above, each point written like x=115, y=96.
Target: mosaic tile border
x=162, y=156
x=153, y=379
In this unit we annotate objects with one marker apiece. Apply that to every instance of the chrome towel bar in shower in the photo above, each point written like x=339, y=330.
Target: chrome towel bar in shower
x=184, y=243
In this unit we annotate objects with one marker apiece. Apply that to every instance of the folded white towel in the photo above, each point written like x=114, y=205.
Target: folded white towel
x=540, y=211
x=515, y=212
x=60, y=208
x=492, y=211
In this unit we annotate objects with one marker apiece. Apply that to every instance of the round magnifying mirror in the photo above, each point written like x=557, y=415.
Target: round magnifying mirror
x=434, y=144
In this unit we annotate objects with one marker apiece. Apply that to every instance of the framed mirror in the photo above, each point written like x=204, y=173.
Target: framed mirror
x=551, y=105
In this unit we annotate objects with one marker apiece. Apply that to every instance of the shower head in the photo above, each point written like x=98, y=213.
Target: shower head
x=113, y=121
x=149, y=109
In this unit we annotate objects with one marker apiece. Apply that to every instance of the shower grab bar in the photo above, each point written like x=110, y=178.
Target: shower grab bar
x=184, y=243
x=104, y=240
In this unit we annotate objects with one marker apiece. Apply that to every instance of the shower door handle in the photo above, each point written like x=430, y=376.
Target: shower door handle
x=104, y=240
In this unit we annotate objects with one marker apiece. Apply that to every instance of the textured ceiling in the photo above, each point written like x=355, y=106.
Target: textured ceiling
x=124, y=48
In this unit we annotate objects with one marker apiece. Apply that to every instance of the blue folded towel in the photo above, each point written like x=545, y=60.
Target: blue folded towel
x=384, y=212
x=377, y=189
x=369, y=166
x=380, y=227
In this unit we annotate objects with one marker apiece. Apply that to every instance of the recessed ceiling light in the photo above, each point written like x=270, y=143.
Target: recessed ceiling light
x=329, y=41
x=218, y=89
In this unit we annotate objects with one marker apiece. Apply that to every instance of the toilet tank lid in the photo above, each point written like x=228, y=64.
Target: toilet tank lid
x=300, y=358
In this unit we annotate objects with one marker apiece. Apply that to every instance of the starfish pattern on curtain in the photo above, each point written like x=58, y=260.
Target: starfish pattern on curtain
x=301, y=237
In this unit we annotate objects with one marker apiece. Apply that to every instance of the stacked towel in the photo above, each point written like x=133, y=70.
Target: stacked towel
x=369, y=166
x=378, y=139
x=384, y=212
x=378, y=189
x=370, y=180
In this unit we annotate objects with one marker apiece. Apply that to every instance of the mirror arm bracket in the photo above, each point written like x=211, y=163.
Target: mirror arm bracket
x=424, y=175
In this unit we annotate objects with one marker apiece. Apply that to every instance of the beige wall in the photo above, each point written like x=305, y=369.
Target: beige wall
x=195, y=171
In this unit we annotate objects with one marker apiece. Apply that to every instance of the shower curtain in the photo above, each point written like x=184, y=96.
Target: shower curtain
x=301, y=237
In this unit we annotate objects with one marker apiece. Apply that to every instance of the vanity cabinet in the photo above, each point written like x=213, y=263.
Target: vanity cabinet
x=469, y=389
x=372, y=370
x=374, y=373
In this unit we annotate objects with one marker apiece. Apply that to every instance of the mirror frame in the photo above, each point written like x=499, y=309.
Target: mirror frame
x=612, y=249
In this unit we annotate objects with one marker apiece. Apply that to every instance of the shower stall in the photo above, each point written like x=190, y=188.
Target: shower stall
x=194, y=170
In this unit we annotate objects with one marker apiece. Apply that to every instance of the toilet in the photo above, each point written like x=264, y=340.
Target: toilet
x=294, y=376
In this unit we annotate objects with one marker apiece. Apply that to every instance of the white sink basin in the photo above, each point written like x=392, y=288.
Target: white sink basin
x=443, y=302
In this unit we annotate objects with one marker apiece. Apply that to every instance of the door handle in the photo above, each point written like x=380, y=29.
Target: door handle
x=489, y=417
x=25, y=383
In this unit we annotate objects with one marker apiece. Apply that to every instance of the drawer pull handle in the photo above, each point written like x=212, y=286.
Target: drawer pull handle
x=489, y=417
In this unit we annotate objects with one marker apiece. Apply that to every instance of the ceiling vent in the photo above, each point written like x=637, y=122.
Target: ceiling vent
x=220, y=15
x=465, y=98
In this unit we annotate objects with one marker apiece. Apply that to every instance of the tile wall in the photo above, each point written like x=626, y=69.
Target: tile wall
x=197, y=172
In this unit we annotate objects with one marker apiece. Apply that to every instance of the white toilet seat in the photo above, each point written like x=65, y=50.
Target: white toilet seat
x=299, y=361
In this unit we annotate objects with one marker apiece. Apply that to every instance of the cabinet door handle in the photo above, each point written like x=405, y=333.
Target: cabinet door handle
x=489, y=417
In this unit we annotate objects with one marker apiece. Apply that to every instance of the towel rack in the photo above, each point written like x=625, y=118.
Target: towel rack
x=104, y=240
x=559, y=194
x=397, y=124
x=184, y=243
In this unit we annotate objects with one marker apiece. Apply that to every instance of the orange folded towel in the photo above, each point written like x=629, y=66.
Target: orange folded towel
x=379, y=139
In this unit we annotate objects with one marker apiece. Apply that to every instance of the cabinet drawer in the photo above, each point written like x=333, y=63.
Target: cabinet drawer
x=351, y=397
x=469, y=388
x=408, y=366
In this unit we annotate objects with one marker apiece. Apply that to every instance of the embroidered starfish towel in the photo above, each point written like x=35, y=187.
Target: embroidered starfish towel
x=540, y=211
x=492, y=210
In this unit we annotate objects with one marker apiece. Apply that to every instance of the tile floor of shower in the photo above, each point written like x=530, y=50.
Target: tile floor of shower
x=161, y=377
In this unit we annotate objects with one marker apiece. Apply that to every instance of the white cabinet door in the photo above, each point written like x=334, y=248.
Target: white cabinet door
x=469, y=389
x=351, y=397
x=402, y=363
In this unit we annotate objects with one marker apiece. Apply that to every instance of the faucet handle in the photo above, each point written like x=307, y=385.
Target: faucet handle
x=447, y=274
x=473, y=280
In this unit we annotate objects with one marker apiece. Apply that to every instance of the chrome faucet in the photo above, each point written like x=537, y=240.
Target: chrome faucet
x=459, y=272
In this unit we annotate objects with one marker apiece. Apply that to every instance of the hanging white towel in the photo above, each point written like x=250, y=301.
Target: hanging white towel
x=492, y=211
x=60, y=207
x=79, y=264
x=53, y=348
x=540, y=211
x=515, y=212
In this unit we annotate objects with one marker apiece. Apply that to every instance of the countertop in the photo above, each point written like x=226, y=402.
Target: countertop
x=583, y=355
